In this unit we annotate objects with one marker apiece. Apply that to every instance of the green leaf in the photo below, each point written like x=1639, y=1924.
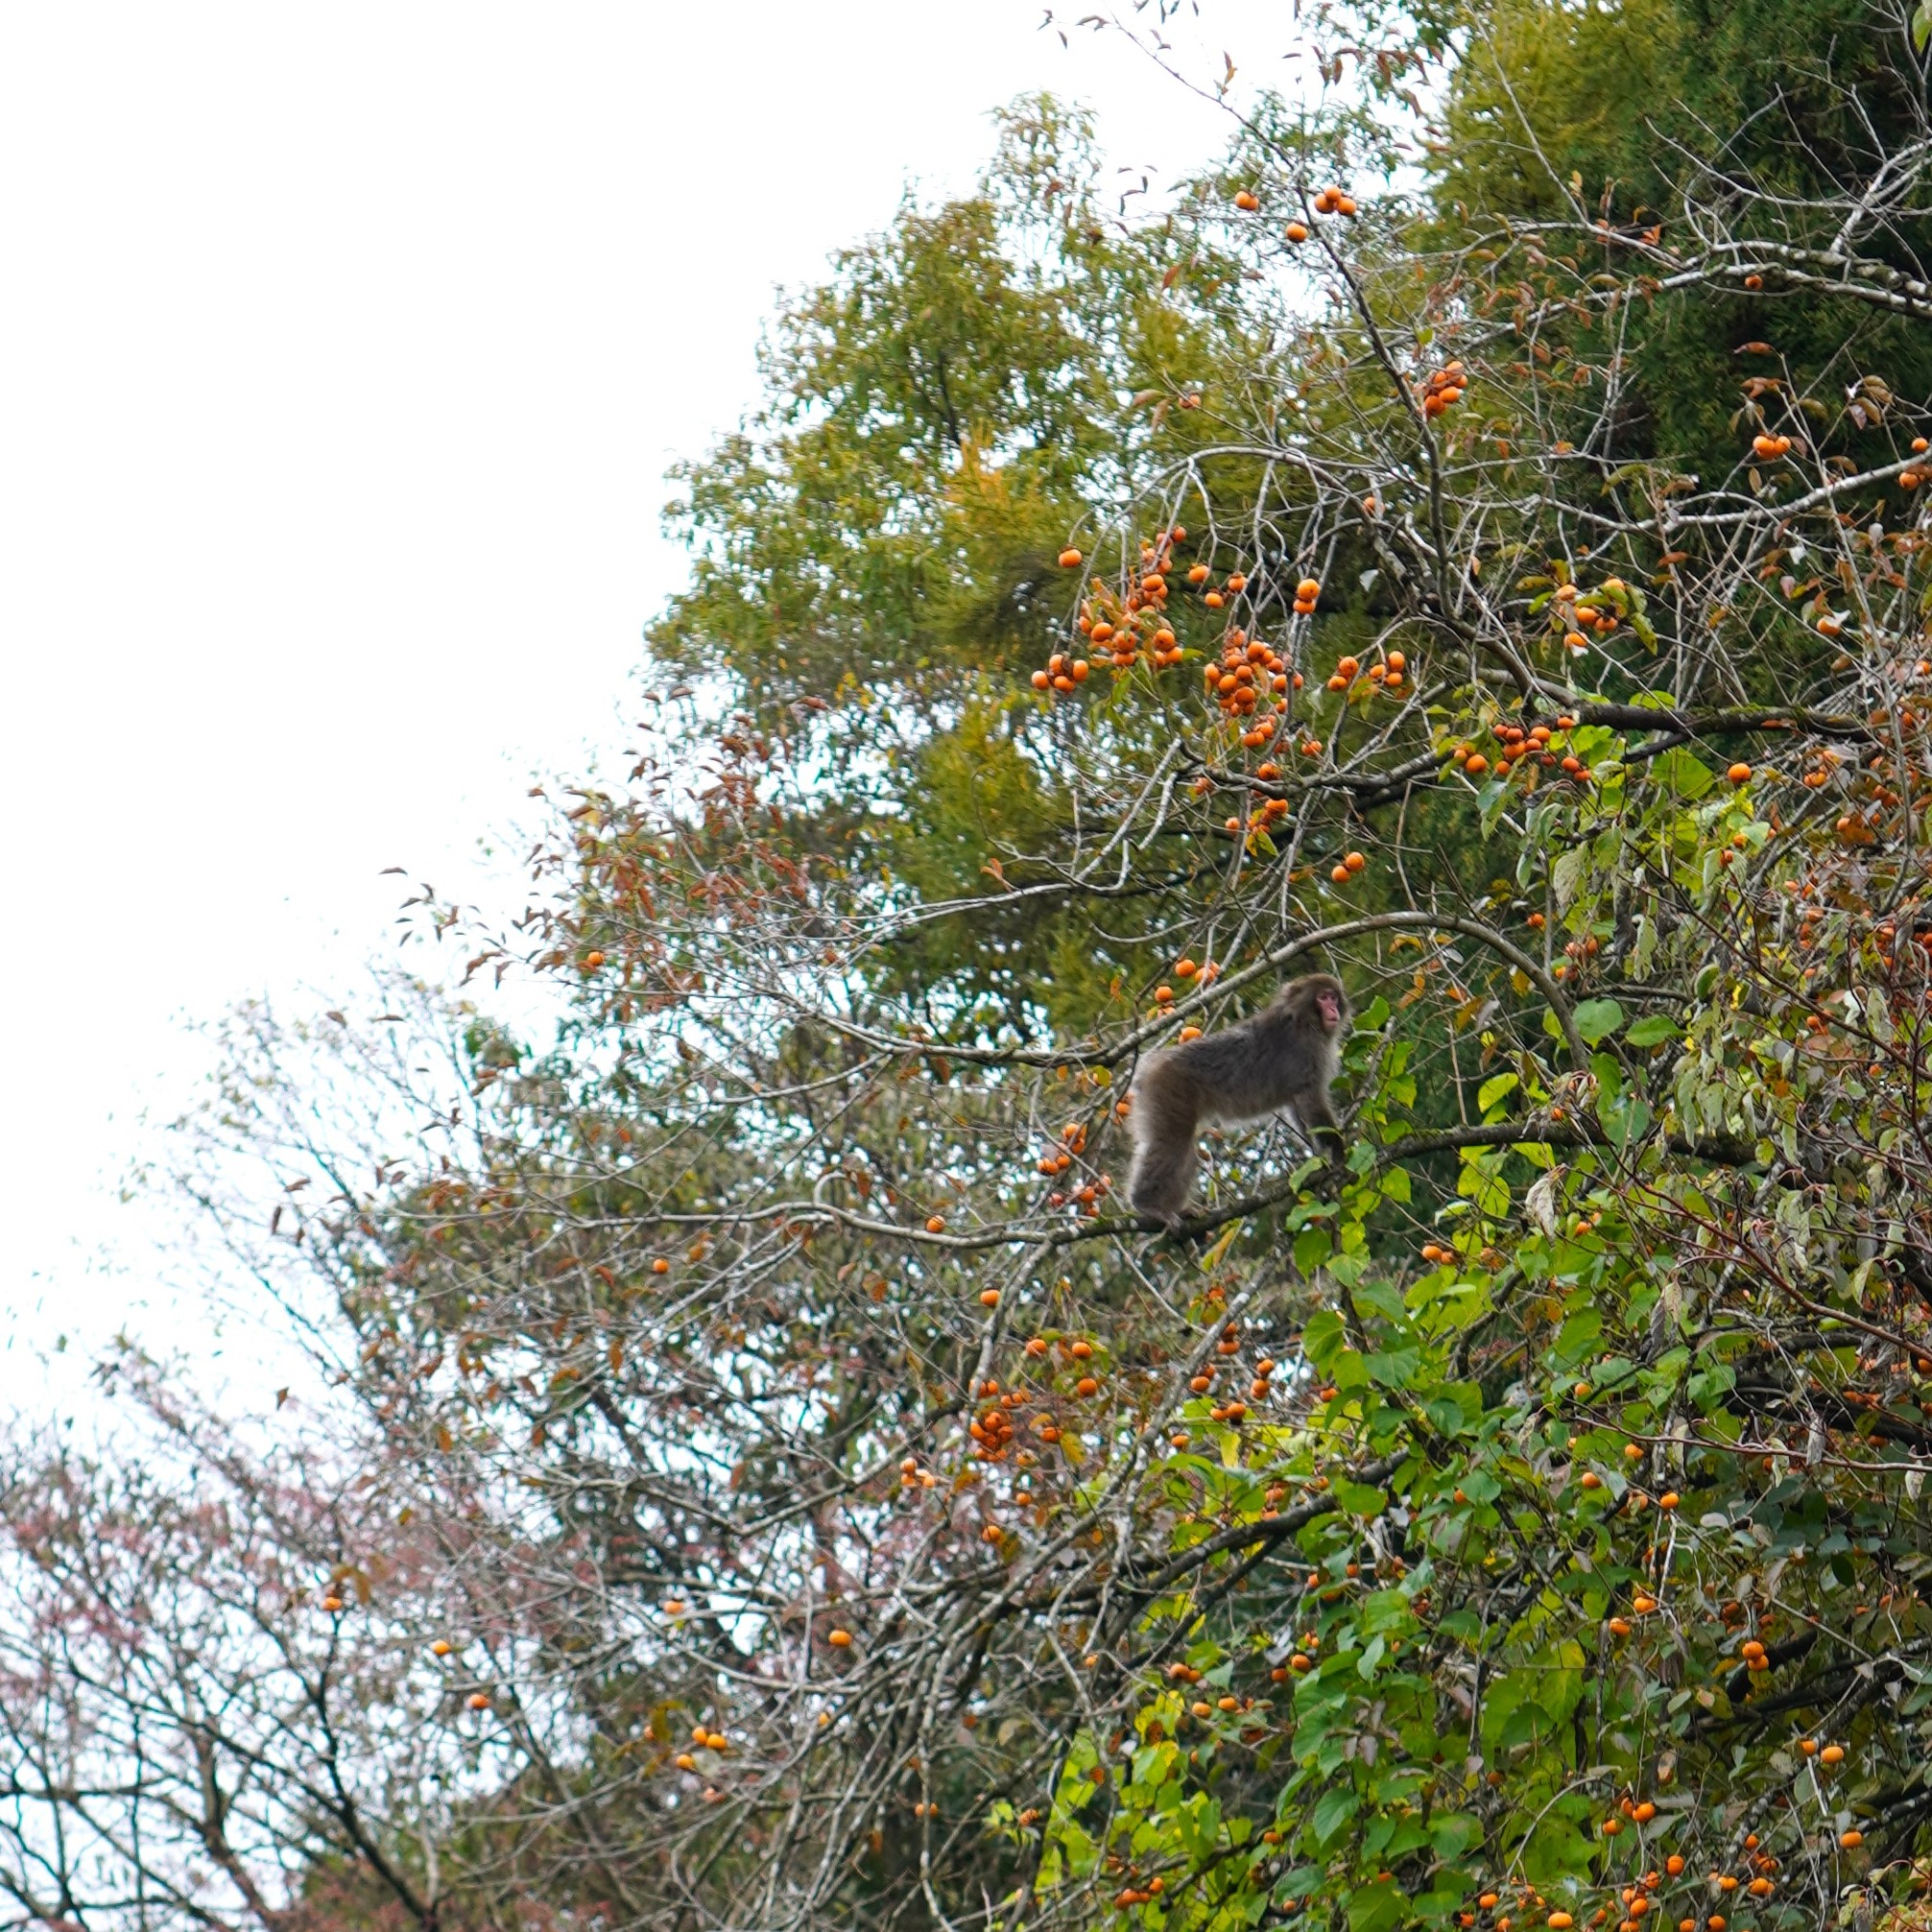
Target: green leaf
x=1358, y=1499
x=1479, y=1487
x=1688, y=776
x=1376, y=1908
x=1394, y=1368
x=1323, y=1338
x=1496, y=1087
x=1312, y=1248
x=1598, y=1019
x=1333, y=1810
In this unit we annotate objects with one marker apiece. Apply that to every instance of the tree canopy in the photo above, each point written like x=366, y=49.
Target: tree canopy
x=1468, y=541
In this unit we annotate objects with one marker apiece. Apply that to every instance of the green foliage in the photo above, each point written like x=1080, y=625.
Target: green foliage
x=872, y=1522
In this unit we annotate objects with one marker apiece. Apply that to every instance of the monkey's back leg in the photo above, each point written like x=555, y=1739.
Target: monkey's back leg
x=1165, y=1116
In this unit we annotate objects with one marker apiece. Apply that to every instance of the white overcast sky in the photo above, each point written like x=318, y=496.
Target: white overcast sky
x=343, y=350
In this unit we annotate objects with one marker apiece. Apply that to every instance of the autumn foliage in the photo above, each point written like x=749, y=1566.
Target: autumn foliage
x=770, y=1478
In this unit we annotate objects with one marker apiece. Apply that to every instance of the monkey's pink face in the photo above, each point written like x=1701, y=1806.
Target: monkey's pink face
x=1331, y=1009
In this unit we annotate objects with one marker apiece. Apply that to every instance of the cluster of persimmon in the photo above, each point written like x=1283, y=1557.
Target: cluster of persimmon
x=1264, y=814
x=1086, y=1199
x=1768, y=448
x=1442, y=388
x=1072, y=1141
x=1301, y=1658
x=1344, y=870
x=991, y=1428
x=1328, y=202
x=1127, y=628
x=705, y=1739
x=1063, y=674
x=1388, y=672
x=1515, y=746
x=1232, y=1409
x=1576, y=612
x=1911, y=478
x=1249, y=670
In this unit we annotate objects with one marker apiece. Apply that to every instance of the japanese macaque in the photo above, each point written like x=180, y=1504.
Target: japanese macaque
x=1285, y=1056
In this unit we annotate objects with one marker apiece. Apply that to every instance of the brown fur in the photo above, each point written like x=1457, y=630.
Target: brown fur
x=1283, y=1056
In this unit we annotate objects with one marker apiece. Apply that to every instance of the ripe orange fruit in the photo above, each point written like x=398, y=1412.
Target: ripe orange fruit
x=988, y=1297
x=1297, y=232
x=1832, y=1754
x=1739, y=773
x=1339, y=874
x=1355, y=862
x=660, y=1266
x=1643, y=1606
x=935, y=1224
x=441, y=1647
x=479, y=1701
x=1247, y=203
x=592, y=961
x=1476, y=764
x=1040, y=681
x=1070, y=560
x=1852, y=1840
x=839, y=1639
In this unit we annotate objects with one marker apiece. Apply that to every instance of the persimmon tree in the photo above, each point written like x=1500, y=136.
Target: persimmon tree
x=1506, y=591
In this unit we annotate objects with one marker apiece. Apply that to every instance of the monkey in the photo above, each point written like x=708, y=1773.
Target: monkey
x=1283, y=1056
